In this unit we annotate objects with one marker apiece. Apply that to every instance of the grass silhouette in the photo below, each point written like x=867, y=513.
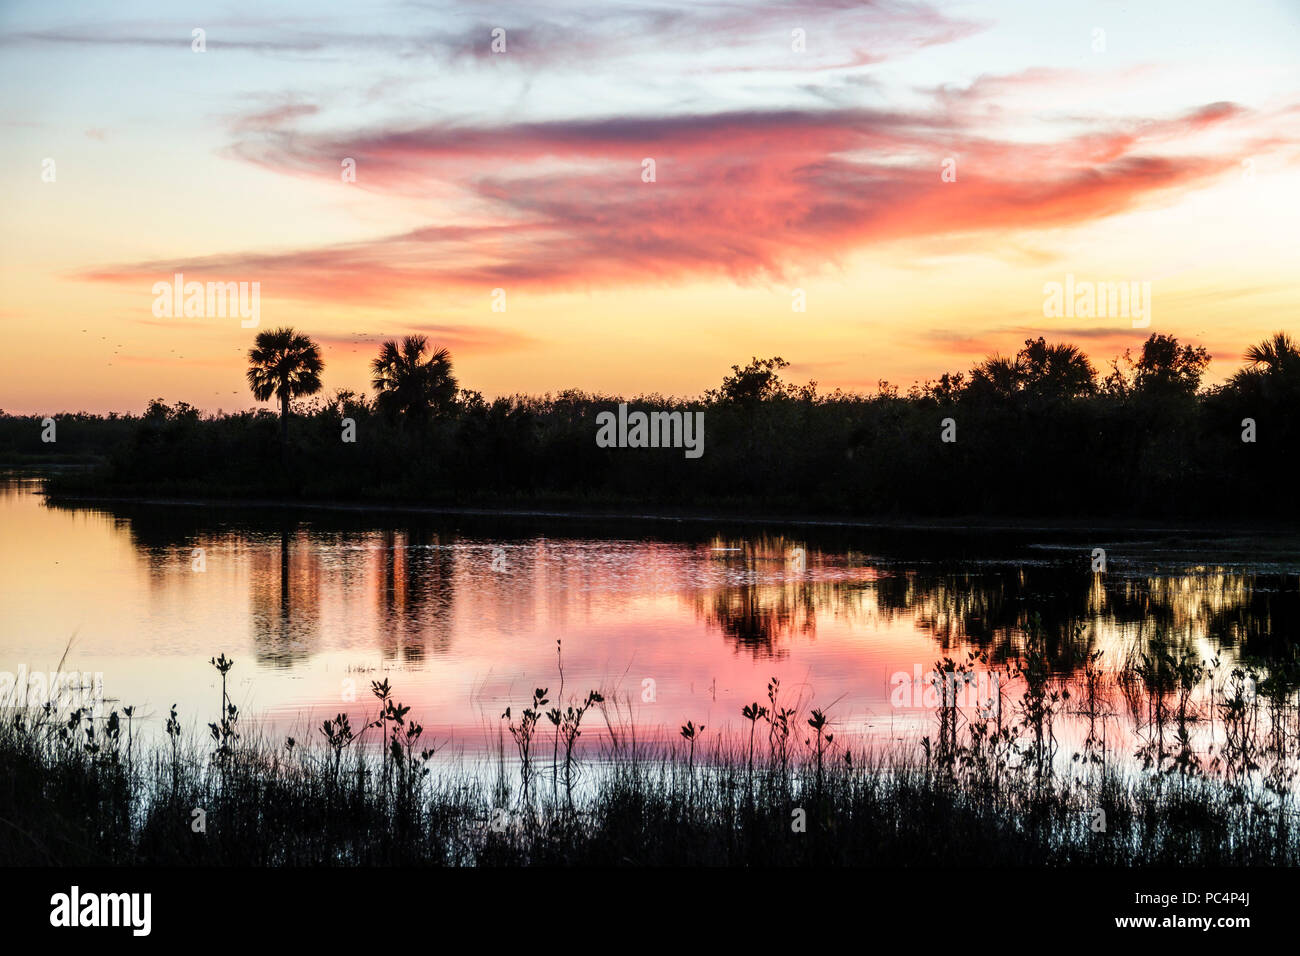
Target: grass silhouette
x=985, y=790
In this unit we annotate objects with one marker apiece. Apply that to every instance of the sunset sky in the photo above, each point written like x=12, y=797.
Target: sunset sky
x=1116, y=142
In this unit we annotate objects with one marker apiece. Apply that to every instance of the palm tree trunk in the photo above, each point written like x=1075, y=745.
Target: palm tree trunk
x=284, y=426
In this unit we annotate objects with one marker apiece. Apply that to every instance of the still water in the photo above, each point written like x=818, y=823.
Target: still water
x=672, y=621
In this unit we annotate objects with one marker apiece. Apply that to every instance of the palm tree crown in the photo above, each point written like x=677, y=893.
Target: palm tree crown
x=1056, y=370
x=286, y=364
x=998, y=375
x=410, y=383
x=1042, y=369
x=1276, y=354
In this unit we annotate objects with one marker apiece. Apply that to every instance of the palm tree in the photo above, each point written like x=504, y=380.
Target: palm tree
x=998, y=375
x=286, y=364
x=410, y=383
x=1041, y=369
x=1056, y=370
x=1274, y=355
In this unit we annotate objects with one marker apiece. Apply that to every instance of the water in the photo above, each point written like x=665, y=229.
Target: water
x=673, y=621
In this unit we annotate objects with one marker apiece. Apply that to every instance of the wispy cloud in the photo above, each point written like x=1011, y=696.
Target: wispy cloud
x=748, y=195
x=461, y=339
x=752, y=36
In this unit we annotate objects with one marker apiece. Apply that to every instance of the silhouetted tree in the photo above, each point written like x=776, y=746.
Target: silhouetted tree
x=1040, y=370
x=1031, y=441
x=286, y=364
x=409, y=383
x=756, y=382
x=1055, y=371
x=1272, y=373
x=1275, y=356
x=1166, y=366
x=998, y=377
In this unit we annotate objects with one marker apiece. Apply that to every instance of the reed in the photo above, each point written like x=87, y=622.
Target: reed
x=76, y=790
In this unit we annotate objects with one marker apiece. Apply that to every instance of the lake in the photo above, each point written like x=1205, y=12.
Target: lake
x=671, y=620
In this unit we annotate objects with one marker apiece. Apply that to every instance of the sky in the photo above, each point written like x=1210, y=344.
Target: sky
x=869, y=190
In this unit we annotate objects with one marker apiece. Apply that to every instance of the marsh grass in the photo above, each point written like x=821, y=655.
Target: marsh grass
x=985, y=790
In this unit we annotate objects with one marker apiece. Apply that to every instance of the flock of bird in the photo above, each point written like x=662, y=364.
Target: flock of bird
x=362, y=338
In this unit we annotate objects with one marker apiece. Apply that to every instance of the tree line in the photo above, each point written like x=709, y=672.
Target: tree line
x=1039, y=432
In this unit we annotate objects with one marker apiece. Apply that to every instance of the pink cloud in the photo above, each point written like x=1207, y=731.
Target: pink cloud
x=460, y=339
x=747, y=195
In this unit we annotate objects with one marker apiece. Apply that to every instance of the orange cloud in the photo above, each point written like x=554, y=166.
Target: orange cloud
x=746, y=195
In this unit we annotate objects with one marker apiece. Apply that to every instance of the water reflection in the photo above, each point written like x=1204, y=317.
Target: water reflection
x=469, y=608
x=775, y=601
x=417, y=587
x=761, y=593
x=284, y=584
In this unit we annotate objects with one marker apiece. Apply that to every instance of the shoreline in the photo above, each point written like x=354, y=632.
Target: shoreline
x=901, y=523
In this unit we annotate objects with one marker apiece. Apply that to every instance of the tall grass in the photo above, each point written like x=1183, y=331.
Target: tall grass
x=77, y=787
